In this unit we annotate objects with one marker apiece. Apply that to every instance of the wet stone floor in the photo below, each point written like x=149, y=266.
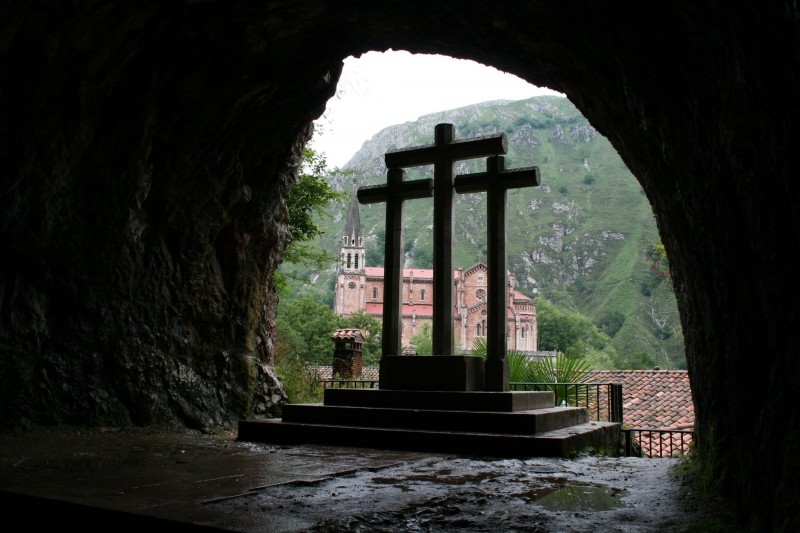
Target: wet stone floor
x=218, y=482
x=441, y=494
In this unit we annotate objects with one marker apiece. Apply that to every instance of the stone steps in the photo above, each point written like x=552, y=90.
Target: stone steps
x=562, y=442
x=449, y=400
x=499, y=424
x=518, y=422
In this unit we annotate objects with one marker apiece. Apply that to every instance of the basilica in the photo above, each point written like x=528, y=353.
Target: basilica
x=360, y=287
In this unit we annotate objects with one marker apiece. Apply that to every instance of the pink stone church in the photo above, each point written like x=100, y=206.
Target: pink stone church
x=359, y=287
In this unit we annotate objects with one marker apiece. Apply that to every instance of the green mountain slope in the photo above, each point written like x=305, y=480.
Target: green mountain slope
x=578, y=240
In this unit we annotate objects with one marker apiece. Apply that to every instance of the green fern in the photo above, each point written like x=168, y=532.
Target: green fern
x=549, y=371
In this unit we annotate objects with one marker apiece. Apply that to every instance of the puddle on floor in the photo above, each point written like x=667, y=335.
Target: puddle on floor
x=435, y=478
x=538, y=469
x=577, y=498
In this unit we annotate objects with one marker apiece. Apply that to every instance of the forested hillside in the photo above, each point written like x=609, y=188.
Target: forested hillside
x=580, y=240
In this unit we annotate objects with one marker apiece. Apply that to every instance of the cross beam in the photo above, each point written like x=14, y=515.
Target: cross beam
x=394, y=193
x=442, y=154
x=495, y=182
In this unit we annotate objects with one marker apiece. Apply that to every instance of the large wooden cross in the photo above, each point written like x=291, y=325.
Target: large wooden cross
x=394, y=193
x=442, y=154
x=495, y=182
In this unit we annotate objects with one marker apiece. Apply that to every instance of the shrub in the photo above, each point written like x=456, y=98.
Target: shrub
x=299, y=379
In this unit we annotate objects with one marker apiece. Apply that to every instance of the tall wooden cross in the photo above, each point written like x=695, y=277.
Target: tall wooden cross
x=442, y=154
x=495, y=182
x=394, y=193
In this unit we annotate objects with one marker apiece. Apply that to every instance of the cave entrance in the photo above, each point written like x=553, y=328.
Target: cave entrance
x=381, y=91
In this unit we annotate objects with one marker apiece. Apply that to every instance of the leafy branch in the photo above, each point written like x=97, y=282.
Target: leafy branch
x=656, y=259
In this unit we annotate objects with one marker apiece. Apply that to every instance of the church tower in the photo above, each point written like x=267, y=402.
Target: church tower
x=349, y=295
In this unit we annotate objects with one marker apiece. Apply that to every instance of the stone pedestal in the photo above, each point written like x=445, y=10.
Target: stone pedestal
x=432, y=373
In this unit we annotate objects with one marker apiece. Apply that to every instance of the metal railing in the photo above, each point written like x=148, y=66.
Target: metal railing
x=602, y=400
x=657, y=442
x=348, y=383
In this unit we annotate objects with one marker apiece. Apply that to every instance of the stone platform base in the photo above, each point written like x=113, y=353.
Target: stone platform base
x=441, y=400
x=498, y=424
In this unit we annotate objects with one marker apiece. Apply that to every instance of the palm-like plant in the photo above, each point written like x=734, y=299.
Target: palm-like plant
x=554, y=373
x=558, y=371
x=517, y=362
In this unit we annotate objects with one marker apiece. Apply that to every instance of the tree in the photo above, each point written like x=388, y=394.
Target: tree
x=656, y=259
x=371, y=328
x=376, y=247
x=423, y=257
x=308, y=201
x=611, y=322
x=305, y=326
x=570, y=333
x=423, y=340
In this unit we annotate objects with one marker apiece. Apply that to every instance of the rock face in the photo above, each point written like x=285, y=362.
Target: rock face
x=146, y=150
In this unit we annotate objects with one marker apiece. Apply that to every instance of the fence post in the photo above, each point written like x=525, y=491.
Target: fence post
x=615, y=402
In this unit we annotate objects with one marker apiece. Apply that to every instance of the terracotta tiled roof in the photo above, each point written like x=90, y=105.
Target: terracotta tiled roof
x=419, y=273
x=652, y=399
x=354, y=334
x=373, y=308
x=420, y=309
x=658, y=399
x=368, y=372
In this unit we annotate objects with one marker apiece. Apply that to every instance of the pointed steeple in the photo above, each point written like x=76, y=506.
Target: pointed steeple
x=352, y=228
x=352, y=252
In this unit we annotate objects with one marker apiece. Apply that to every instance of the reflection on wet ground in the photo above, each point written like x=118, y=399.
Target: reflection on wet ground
x=578, y=498
x=474, y=494
x=238, y=486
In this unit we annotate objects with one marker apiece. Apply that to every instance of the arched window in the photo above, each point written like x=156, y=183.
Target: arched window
x=422, y=295
x=353, y=242
x=356, y=260
x=348, y=260
x=374, y=293
x=478, y=332
x=361, y=241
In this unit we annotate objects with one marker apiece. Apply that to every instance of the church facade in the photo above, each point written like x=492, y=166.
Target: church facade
x=359, y=287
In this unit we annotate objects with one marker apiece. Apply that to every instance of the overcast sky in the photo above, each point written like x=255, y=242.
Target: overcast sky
x=380, y=89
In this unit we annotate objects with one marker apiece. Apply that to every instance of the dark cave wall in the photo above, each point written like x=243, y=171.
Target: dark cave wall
x=699, y=102
x=146, y=152
x=145, y=158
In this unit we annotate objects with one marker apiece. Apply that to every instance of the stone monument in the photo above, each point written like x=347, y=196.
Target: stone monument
x=443, y=370
x=443, y=402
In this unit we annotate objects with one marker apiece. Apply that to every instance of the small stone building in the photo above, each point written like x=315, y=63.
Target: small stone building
x=347, y=353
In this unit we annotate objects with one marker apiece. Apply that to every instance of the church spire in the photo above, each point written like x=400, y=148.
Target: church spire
x=352, y=228
x=353, y=253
